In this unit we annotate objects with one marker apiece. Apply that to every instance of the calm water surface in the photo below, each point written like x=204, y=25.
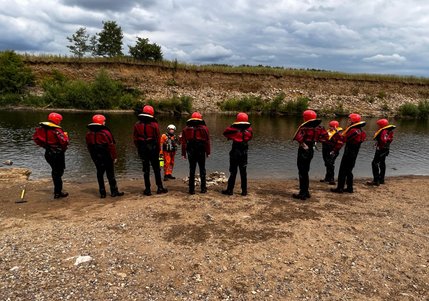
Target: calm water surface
x=272, y=154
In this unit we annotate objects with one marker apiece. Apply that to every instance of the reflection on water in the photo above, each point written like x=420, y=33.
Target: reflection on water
x=272, y=154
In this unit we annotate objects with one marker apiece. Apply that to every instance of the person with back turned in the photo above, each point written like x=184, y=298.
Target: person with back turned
x=307, y=134
x=383, y=138
x=101, y=146
x=147, y=140
x=196, y=147
x=353, y=136
x=330, y=150
x=54, y=140
x=240, y=132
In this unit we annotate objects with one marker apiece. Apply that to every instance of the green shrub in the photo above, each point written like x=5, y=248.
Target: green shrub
x=10, y=99
x=408, y=110
x=14, y=75
x=245, y=104
x=102, y=93
x=423, y=107
x=295, y=107
x=174, y=105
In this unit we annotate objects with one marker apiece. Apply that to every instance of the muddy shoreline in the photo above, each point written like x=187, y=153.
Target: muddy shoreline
x=370, y=245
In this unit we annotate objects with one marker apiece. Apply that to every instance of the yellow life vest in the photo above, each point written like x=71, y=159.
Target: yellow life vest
x=50, y=124
x=311, y=123
x=354, y=125
x=390, y=126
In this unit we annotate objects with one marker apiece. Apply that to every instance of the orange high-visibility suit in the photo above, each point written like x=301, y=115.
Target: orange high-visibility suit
x=168, y=150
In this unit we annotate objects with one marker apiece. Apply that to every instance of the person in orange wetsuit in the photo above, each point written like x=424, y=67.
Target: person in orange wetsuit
x=383, y=138
x=147, y=140
x=55, y=141
x=169, y=143
x=196, y=147
x=307, y=135
x=330, y=150
x=240, y=132
x=101, y=146
x=353, y=136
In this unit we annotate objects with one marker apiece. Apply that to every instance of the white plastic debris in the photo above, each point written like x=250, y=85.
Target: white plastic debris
x=82, y=259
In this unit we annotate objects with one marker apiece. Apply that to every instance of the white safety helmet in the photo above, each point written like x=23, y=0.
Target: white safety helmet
x=171, y=127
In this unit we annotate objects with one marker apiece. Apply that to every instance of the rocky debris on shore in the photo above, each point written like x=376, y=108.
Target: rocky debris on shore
x=14, y=174
x=213, y=179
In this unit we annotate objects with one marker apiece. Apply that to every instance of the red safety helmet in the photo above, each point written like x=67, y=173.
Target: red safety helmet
x=382, y=122
x=197, y=115
x=309, y=115
x=354, y=118
x=334, y=124
x=100, y=119
x=55, y=118
x=148, y=110
x=242, y=117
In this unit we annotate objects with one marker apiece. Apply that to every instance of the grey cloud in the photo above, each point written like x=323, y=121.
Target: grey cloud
x=108, y=5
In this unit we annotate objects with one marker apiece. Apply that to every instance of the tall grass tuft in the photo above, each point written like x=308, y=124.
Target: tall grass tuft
x=275, y=106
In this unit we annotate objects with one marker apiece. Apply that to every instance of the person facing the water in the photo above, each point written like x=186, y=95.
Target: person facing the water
x=169, y=144
x=101, y=146
x=240, y=132
x=196, y=147
x=307, y=134
x=147, y=140
x=383, y=138
x=55, y=141
x=330, y=150
x=353, y=136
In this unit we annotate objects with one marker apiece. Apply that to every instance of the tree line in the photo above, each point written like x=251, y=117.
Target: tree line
x=108, y=43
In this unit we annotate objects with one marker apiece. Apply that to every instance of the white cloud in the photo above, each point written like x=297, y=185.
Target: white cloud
x=382, y=59
x=211, y=52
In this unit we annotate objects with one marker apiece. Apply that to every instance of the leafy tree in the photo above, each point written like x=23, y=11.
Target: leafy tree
x=79, y=41
x=93, y=45
x=143, y=50
x=14, y=75
x=110, y=40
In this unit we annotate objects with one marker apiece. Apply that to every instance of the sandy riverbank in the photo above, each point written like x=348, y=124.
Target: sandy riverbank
x=370, y=245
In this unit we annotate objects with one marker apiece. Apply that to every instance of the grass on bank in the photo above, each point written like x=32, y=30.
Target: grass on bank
x=242, y=69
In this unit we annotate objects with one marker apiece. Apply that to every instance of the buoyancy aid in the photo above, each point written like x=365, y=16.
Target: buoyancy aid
x=169, y=142
x=354, y=134
x=195, y=132
x=310, y=131
x=384, y=136
x=50, y=135
x=146, y=129
x=100, y=140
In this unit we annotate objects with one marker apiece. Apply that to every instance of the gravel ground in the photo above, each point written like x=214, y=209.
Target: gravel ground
x=370, y=245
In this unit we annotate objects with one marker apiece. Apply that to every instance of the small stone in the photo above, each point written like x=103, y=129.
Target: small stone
x=82, y=259
x=15, y=268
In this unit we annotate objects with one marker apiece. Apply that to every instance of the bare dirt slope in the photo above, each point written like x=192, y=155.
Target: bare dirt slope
x=208, y=89
x=370, y=245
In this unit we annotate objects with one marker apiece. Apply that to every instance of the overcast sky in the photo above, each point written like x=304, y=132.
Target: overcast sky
x=366, y=36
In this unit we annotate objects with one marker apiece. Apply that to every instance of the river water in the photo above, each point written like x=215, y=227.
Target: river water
x=272, y=154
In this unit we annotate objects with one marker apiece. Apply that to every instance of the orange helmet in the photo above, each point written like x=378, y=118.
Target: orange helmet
x=242, y=117
x=100, y=119
x=334, y=124
x=147, y=109
x=55, y=118
x=309, y=114
x=382, y=122
x=354, y=117
x=197, y=115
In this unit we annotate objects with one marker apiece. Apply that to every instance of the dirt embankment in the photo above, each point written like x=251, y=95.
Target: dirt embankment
x=370, y=245
x=328, y=95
